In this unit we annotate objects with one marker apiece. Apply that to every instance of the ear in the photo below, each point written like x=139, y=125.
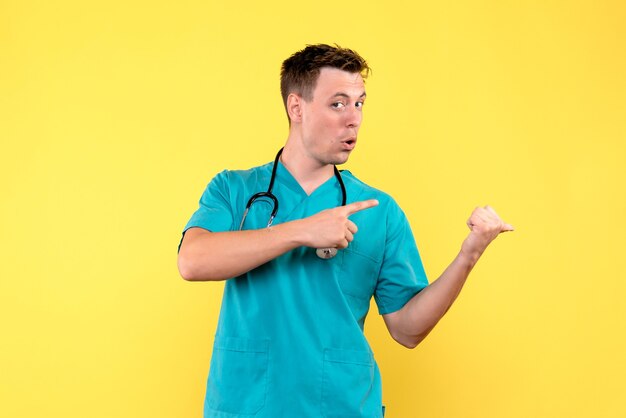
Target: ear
x=294, y=107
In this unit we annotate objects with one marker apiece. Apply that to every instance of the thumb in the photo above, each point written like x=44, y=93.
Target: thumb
x=507, y=227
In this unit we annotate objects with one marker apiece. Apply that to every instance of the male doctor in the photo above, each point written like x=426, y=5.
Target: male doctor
x=303, y=259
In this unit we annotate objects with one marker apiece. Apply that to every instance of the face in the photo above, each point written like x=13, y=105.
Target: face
x=331, y=119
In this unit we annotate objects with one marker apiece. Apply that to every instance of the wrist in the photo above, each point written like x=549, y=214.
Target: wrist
x=292, y=233
x=469, y=255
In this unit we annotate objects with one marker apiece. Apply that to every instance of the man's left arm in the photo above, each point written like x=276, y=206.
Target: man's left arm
x=411, y=324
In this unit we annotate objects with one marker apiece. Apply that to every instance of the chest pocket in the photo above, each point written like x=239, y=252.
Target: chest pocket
x=359, y=273
x=357, y=279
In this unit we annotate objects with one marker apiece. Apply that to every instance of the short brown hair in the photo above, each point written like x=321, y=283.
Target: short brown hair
x=300, y=71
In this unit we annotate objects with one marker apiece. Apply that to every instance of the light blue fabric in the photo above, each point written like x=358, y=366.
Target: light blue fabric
x=289, y=340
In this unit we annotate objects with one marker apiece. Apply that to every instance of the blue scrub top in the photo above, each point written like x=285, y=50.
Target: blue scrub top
x=289, y=340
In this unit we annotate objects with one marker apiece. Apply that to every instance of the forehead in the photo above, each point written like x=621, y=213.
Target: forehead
x=333, y=80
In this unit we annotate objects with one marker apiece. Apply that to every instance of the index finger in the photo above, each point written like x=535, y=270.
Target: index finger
x=355, y=207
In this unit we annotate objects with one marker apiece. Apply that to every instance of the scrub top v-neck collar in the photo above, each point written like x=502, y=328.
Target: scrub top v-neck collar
x=285, y=177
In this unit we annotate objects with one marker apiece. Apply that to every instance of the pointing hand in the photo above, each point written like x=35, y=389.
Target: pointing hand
x=331, y=228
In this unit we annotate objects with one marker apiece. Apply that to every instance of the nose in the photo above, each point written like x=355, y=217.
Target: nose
x=353, y=117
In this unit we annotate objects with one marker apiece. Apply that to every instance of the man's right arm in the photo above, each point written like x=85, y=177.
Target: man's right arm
x=207, y=256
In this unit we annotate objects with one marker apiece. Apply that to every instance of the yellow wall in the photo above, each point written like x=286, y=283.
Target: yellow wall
x=113, y=117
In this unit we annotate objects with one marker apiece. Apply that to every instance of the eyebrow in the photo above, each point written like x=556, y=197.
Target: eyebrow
x=340, y=94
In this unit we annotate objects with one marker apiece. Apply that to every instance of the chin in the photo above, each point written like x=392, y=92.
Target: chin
x=342, y=159
x=334, y=158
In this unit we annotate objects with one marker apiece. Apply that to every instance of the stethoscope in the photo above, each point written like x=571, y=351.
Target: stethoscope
x=321, y=252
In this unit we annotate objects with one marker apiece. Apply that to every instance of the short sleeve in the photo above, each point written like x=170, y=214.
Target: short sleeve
x=215, y=212
x=401, y=274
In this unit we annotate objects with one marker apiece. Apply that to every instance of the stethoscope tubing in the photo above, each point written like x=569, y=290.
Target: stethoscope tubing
x=324, y=253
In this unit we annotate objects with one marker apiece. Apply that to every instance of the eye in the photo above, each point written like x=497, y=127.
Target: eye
x=359, y=105
x=338, y=105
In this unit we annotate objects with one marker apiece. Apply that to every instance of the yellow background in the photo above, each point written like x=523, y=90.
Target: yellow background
x=114, y=115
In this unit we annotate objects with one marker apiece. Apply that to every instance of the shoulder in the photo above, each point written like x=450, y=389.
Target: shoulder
x=244, y=174
x=232, y=177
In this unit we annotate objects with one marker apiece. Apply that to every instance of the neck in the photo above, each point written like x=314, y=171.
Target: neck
x=308, y=172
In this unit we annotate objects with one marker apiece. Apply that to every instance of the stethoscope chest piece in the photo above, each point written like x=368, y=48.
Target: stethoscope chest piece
x=326, y=253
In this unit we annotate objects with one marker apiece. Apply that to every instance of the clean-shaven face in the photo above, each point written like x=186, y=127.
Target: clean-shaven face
x=331, y=119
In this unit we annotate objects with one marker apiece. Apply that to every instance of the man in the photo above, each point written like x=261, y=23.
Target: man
x=290, y=341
